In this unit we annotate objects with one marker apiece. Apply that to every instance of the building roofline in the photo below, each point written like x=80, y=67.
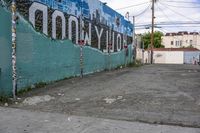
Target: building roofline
x=174, y=49
x=181, y=33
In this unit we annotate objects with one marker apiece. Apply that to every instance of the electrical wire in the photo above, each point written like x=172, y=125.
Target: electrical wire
x=146, y=9
x=138, y=17
x=175, y=26
x=182, y=6
x=186, y=2
x=166, y=16
x=174, y=22
x=177, y=12
x=168, y=24
x=132, y=6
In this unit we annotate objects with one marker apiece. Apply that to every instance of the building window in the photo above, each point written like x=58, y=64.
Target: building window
x=172, y=42
x=181, y=43
x=186, y=41
x=176, y=43
x=190, y=42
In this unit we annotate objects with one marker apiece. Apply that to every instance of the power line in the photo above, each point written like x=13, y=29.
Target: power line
x=138, y=17
x=168, y=24
x=143, y=11
x=172, y=26
x=166, y=15
x=182, y=6
x=177, y=12
x=132, y=6
x=163, y=12
x=174, y=22
x=186, y=2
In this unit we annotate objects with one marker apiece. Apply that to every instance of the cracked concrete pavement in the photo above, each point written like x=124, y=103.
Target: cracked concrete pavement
x=154, y=94
x=23, y=121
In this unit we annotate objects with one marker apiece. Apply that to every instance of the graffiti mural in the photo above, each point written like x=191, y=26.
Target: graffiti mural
x=58, y=52
x=60, y=19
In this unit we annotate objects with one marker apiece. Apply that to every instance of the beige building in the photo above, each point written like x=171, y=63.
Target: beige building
x=181, y=39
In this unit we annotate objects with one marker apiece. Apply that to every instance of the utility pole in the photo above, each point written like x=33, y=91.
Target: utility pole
x=134, y=42
x=14, y=68
x=152, y=31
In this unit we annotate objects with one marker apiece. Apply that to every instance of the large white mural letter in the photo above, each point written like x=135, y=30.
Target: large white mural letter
x=88, y=36
x=71, y=19
x=107, y=41
x=54, y=16
x=113, y=42
x=119, y=42
x=37, y=6
x=99, y=36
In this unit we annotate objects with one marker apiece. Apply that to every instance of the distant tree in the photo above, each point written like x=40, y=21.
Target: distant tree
x=146, y=37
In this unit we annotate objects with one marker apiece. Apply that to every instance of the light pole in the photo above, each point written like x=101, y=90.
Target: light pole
x=14, y=68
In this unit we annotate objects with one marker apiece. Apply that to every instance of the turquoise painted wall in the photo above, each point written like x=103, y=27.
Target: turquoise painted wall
x=5, y=52
x=40, y=59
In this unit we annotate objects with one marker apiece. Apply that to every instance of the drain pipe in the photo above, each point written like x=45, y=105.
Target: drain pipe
x=14, y=71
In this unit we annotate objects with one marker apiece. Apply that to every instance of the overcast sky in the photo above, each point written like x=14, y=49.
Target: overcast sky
x=169, y=12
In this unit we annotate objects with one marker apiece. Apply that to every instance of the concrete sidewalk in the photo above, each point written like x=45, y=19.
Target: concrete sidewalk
x=22, y=121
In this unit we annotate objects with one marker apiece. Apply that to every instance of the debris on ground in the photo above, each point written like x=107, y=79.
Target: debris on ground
x=37, y=99
x=123, y=100
x=46, y=120
x=109, y=100
x=77, y=99
x=18, y=98
x=61, y=94
x=119, y=97
x=69, y=119
x=6, y=104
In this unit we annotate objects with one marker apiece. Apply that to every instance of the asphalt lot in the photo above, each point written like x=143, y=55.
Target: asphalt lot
x=157, y=94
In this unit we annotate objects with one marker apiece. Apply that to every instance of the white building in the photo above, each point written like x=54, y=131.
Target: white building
x=170, y=56
x=181, y=39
